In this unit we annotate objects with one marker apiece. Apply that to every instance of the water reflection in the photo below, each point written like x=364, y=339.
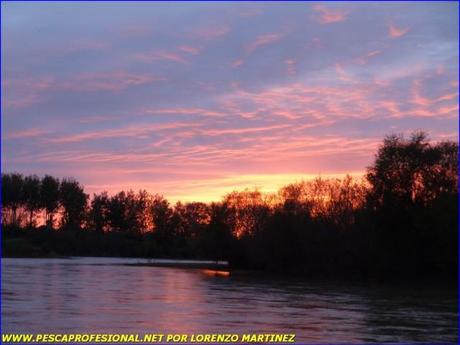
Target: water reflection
x=216, y=273
x=105, y=295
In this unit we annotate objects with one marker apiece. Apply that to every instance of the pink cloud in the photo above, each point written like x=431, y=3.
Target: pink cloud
x=373, y=53
x=216, y=132
x=420, y=100
x=27, y=133
x=321, y=105
x=365, y=58
x=183, y=111
x=290, y=63
x=342, y=74
x=190, y=50
x=263, y=40
x=395, y=32
x=98, y=118
x=237, y=63
x=391, y=106
x=108, y=81
x=130, y=131
x=162, y=55
x=328, y=15
x=24, y=92
x=210, y=32
x=287, y=114
x=449, y=110
x=21, y=102
x=273, y=141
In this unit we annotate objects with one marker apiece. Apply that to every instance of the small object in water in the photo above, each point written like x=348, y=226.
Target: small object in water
x=216, y=273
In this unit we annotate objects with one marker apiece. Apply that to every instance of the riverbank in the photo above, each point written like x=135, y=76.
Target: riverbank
x=24, y=248
x=204, y=264
x=224, y=269
x=63, y=244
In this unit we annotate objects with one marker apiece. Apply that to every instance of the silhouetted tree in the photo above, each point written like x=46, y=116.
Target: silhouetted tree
x=99, y=212
x=117, y=208
x=162, y=215
x=143, y=201
x=74, y=201
x=218, y=239
x=12, y=194
x=49, y=198
x=249, y=210
x=194, y=218
x=400, y=221
x=128, y=212
x=409, y=181
x=31, y=196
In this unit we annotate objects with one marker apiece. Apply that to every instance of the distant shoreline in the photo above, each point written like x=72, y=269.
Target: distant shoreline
x=183, y=265
x=223, y=268
x=148, y=262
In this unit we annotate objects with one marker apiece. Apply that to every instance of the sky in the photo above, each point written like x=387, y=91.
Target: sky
x=194, y=100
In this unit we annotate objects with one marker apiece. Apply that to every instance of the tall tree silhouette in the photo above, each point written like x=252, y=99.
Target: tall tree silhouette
x=49, y=198
x=162, y=216
x=31, y=196
x=414, y=196
x=73, y=199
x=12, y=194
x=219, y=239
x=127, y=212
x=98, y=216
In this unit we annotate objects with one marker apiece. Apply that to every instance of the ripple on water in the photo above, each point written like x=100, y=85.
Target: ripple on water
x=107, y=295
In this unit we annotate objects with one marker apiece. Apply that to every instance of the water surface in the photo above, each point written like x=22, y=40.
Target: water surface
x=104, y=295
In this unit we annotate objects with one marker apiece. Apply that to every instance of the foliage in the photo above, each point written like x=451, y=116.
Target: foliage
x=400, y=220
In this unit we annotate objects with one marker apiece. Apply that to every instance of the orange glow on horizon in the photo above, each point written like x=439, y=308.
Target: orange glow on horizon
x=213, y=190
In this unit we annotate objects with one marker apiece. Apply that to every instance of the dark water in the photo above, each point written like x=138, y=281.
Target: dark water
x=103, y=295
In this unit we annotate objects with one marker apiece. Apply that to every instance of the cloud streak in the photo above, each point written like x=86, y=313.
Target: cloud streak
x=328, y=15
x=195, y=101
x=263, y=40
x=395, y=32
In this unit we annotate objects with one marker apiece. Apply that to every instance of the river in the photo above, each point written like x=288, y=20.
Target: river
x=105, y=295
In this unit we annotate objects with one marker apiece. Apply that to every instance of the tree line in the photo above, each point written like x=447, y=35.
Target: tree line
x=400, y=219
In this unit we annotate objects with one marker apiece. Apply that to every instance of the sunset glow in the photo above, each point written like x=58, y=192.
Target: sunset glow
x=194, y=100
